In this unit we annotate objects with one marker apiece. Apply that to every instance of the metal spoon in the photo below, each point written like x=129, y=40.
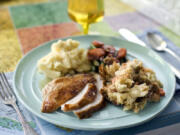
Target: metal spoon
x=158, y=44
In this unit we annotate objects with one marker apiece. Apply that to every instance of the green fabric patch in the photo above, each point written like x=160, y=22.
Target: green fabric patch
x=101, y=28
x=39, y=14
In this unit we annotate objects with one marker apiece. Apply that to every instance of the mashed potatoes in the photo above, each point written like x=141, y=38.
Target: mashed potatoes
x=65, y=58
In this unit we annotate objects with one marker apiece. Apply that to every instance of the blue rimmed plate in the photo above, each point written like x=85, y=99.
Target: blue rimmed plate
x=28, y=90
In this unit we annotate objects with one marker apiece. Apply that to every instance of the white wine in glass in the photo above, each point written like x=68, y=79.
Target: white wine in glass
x=86, y=12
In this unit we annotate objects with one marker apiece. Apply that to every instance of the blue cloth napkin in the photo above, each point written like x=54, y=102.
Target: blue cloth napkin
x=165, y=55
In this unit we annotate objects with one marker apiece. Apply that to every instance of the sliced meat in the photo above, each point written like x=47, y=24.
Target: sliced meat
x=86, y=96
x=96, y=105
x=60, y=90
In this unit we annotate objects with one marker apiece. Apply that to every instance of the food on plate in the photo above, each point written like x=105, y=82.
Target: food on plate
x=98, y=44
x=96, y=53
x=108, y=71
x=84, y=78
x=65, y=58
x=100, y=54
x=96, y=105
x=121, y=53
x=86, y=96
x=106, y=53
x=132, y=86
x=78, y=93
x=62, y=89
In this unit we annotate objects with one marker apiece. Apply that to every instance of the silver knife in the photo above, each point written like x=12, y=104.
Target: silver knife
x=128, y=35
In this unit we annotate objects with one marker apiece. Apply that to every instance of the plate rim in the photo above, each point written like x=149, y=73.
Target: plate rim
x=79, y=127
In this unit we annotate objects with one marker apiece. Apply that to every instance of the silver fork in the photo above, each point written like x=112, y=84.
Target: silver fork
x=8, y=98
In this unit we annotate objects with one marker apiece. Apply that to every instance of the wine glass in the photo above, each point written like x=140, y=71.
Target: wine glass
x=86, y=12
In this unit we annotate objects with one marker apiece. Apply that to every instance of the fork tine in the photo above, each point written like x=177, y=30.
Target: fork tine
x=1, y=96
x=3, y=93
x=6, y=84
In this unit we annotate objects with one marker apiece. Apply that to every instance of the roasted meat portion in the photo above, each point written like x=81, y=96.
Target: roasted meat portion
x=60, y=90
x=96, y=105
x=86, y=96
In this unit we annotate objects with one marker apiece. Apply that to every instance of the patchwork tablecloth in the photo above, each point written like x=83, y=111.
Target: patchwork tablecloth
x=26, y=24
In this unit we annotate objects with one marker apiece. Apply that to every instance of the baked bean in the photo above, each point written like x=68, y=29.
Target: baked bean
x=121, y=53
x=98, y=44
x=96, y=53
x=108, y=60
x=161, y=92
x=110, y=50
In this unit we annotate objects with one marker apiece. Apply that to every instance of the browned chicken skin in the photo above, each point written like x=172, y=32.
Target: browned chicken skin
x=60, y=90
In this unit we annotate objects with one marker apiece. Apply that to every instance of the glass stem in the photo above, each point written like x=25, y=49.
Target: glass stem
x=85, y=28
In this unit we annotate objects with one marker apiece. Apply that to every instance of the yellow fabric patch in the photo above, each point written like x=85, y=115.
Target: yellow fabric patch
x=115, y=7
x=16, y=2
x=10, y=51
